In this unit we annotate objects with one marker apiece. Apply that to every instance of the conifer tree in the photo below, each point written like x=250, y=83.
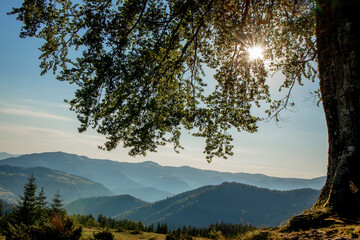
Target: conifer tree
x=26, y=208
x=57, y=205
x=42, y=210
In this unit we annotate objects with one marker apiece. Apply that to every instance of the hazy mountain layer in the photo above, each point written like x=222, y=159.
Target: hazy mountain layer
x=148, y=180
x=13, y=179
x=4, y=155
x=228, y=202
x=107, y=206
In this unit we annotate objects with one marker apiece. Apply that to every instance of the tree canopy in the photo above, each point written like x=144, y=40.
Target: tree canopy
x=140, y=64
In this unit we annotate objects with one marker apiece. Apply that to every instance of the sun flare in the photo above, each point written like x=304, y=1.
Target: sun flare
x=255, y=53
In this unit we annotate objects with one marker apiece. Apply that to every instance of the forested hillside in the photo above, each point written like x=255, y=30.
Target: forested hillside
x=12, y=180
x=106, y=206
x=228, y=202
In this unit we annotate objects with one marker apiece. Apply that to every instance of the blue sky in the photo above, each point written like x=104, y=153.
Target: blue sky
x=34, y=118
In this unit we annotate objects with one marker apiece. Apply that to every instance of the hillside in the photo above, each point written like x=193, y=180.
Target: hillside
x=4, y=155
x=228, y=202
x=148, y=180
x=12, y=180
x=107, y=206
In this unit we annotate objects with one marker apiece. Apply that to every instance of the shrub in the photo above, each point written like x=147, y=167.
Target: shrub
x=256, y=235
x=135, y=232
x=178, y=235
x=213, y=234
x=104, y=235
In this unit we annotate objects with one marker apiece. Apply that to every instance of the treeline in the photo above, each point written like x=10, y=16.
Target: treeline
x=34, y=218
x=213, y=231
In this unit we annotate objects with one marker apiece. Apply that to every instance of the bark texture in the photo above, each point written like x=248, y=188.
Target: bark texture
x=338, y=39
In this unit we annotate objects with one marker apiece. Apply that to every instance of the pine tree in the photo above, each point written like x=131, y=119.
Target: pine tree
x=25, y=211
x=42, y=210
x=57, y=205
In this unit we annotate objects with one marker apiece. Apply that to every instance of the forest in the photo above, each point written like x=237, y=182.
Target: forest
x=33, y=217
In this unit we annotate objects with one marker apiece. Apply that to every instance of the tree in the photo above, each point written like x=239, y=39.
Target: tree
x=57, y=205
x=42, y=210
x=338, y=36
x=27, y=207
x=31, y=219
x=141, y=79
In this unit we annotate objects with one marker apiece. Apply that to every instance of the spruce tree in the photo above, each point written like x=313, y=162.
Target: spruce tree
x=42, y=210
x=26, y=208
x=57, y=205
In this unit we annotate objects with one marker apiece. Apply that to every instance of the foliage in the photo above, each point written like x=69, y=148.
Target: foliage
x=32, y=220
x=104, y=235
x=178, y=235
x=214, y=230
x=85, y=220
x=256, y=235
x=57, y=205
x=141, y=73
x=162, y=228
x=26, y=210
x=213, y=234
x=136, y=232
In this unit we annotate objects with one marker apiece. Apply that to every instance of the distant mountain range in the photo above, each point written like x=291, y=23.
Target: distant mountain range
x=228, y=202
x=13, y=179
x=199, y=197
x=4, y=155
x=107, y=206
x=150, y=181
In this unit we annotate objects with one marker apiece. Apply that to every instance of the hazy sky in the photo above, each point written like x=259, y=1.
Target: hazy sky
x=34, y=118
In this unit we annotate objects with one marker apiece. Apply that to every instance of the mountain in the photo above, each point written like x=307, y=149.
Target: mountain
x=150, y=194
x=107, y=206
x=4, y=155
x=110, y=173
x=227, y=202
x=151, y=181
x=13, y=179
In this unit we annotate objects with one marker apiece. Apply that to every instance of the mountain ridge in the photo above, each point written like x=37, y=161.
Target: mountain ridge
x=71, y=187
x=150, y=181
x=228, y=202
x=106, y=206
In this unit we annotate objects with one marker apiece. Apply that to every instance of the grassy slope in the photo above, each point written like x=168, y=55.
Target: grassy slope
x=337, y=231
x=126, y=235
x=333, y=232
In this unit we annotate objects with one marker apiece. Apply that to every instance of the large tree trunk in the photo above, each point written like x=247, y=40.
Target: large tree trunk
x=338, y=39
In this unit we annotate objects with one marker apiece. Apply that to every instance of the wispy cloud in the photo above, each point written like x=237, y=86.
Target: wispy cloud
x=30, y=113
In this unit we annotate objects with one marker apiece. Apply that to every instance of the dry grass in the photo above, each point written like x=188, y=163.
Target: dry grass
x=331, y=232
x=127, y=235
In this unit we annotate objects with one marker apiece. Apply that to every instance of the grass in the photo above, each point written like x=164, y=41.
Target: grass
x=127, y=235
x=335, y=231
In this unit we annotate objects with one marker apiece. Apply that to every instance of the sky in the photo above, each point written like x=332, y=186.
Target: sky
x=34, y=118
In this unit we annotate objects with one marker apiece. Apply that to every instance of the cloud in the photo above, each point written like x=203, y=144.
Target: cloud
x=29, y=113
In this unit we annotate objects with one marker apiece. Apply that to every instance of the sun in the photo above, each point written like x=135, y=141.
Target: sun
x=255, y=53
